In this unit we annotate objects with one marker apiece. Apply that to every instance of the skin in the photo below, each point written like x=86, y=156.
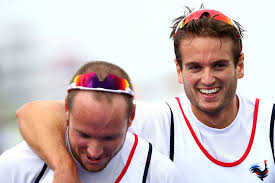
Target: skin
x=97, y=128
x=210, y=79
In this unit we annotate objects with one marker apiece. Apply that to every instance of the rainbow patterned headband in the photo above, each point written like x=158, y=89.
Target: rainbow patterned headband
x=111, y=83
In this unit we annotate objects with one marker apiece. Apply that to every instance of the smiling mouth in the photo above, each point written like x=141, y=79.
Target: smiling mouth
x=209, y=91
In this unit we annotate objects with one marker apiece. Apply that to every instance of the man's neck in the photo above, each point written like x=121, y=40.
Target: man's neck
x=220, y=119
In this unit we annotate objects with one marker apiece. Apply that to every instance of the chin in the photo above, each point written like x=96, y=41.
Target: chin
x=95, y=169
x=211, y=110
x=96, y=166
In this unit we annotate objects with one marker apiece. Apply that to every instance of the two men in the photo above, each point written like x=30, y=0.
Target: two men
x=212, y=134
x=99, y=110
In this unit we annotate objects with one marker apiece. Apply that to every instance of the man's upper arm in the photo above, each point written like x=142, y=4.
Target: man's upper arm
x=43, y=125
x=43, y=107
x=41, y=115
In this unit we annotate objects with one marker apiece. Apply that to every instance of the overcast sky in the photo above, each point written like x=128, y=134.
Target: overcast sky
x=135, y=35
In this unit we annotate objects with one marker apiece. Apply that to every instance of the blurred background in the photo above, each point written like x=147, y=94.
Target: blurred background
x=42, y=43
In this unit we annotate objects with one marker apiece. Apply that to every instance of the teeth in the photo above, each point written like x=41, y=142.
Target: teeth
x=211, y=91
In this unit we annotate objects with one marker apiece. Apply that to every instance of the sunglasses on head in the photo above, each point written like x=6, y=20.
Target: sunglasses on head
x=111, y=83
x=216, y=15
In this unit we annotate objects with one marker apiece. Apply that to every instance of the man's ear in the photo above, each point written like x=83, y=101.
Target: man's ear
x=67, y=114
x=132, y=116
x=240, y=66
x=180, y=77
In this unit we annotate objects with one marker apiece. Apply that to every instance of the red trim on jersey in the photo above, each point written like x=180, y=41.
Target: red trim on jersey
x=211, y=157
x=129, y=160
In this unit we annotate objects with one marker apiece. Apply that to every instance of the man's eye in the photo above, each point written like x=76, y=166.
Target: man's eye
x=108, y=138
x=193, y=67
x=83, y=135
x=220, y=66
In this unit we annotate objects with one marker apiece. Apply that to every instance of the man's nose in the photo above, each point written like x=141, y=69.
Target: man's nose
x=94, y=150
x=208, y=77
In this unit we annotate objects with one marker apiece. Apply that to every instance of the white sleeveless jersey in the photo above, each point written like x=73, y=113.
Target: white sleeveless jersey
x=255, y=164
x=21, y=165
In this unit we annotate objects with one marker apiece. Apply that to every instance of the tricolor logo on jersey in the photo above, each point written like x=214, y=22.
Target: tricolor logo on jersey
x=261, y=174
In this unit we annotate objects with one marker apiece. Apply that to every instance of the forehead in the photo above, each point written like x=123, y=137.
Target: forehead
x=206, y=48
x=94, y=113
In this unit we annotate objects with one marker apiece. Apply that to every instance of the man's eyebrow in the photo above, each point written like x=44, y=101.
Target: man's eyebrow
x=82, y=133
x=198, y=63
x=190, y=62
x=221, y=62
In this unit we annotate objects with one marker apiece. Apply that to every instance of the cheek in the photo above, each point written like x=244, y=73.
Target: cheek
x=189, y=79
x=113, y=146
x=228, y=76
x=82, y=144
x=78, y=142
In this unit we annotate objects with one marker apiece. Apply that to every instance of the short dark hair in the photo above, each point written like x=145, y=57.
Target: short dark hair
x=102, y=70
x=206, y=26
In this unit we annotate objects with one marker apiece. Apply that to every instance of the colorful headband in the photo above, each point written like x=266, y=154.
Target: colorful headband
x=111, y=83
x=216, y=15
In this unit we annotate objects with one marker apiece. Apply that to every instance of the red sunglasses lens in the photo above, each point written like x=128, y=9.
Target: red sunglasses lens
x=212, y=13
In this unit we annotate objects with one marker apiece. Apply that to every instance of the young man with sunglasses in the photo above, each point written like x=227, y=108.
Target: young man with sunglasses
x=212, y=134
x=99, y=110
